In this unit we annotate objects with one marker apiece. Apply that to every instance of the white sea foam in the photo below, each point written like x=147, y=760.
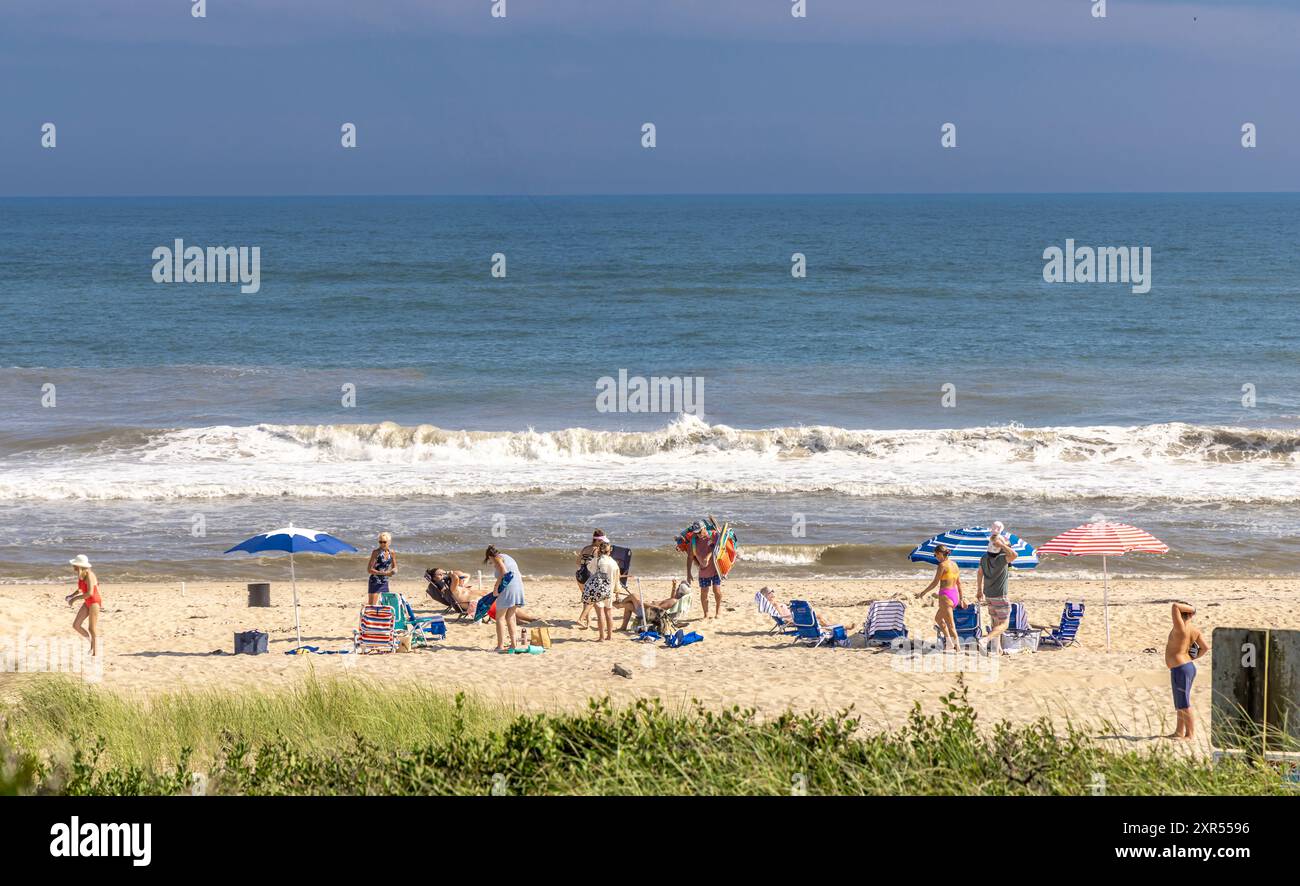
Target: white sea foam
x=1162, y=462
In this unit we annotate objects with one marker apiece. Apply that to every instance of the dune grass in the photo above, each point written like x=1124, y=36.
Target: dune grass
x=344, y=737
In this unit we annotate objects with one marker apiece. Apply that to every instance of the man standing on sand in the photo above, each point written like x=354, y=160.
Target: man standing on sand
x=1178, y=658
x=991, y=585
x=701, y=554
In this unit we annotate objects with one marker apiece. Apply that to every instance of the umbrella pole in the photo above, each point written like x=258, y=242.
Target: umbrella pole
x=293, y=577
x=1105, y=598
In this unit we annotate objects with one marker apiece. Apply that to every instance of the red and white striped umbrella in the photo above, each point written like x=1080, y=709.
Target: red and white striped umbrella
x=1102, y=538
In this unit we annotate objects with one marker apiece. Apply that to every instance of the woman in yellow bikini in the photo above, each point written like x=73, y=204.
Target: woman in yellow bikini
x=948, y=579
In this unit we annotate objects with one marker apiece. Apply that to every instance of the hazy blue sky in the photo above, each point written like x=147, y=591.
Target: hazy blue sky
x=448, y=100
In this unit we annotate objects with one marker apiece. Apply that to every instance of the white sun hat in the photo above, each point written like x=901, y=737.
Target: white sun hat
x=80, y=561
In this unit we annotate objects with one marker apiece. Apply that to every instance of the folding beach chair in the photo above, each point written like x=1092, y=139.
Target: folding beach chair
x=421, y=629
x=967, y=621
x=443, y=595
x=681, y=610
x=768, y=608
x=378, y=632
x=1019, y=636
x=623, y=557
x=809, y=629
x=885, y=623
x=1071, y=616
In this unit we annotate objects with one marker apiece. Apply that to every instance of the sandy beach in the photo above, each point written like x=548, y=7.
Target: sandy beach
x=159, y=641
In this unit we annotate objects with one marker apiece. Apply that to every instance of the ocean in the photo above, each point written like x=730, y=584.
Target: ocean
x=921, y=376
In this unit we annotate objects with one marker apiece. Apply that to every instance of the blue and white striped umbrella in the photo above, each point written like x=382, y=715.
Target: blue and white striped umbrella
x=294, y=540
x=968, y=545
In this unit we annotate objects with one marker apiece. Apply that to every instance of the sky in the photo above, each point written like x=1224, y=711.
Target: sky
x=551, y=99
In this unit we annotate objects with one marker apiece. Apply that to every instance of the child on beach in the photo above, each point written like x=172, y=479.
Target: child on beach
x=91, y=601
x=1178, y=658
x=948, y=579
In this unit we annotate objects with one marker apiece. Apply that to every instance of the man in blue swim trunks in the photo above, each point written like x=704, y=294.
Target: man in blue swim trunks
x=1178, y=658
x=701, y=555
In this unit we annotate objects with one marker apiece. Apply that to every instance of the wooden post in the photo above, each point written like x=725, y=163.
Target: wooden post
x=1255, y=703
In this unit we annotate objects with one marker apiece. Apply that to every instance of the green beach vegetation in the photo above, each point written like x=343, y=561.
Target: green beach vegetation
x=60, y=736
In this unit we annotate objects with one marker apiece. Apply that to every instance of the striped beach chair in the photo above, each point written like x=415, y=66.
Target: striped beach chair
x=1065, y=635
x=885, y=622
x=378, y=630
x=967, y=621
x=768, y=608
x=807, y=629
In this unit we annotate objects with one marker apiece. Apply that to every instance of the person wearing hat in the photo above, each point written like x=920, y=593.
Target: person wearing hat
x=91, y=601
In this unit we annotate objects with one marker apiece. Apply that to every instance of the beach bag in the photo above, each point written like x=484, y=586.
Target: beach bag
x=250, y=643
x=597, y=588
x=540, y=636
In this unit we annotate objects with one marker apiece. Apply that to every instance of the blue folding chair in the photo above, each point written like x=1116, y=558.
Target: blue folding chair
x=967, y=621
x=885, y=623
x=809, y=630
x=1065, y=635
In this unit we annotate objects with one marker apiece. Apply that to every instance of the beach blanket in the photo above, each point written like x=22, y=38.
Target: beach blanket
x=681, y=638
x=316, y=650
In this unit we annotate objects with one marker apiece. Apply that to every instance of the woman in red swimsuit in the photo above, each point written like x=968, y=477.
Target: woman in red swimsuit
x=88, y=594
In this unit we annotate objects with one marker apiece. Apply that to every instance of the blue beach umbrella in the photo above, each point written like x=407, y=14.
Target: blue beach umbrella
x=295, y=541
x=968, y=545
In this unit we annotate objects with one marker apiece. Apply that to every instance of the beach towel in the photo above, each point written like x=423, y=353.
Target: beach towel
x=486, y=607
x=681, y=638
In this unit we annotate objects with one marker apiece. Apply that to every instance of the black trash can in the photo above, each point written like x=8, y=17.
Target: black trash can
x=259, y=594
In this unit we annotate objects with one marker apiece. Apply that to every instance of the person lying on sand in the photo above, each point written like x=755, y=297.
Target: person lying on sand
x=784, y=610
x=1178, y=658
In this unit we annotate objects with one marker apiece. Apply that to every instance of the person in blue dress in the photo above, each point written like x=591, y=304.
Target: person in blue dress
x=509, y=596
x=383, y=565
